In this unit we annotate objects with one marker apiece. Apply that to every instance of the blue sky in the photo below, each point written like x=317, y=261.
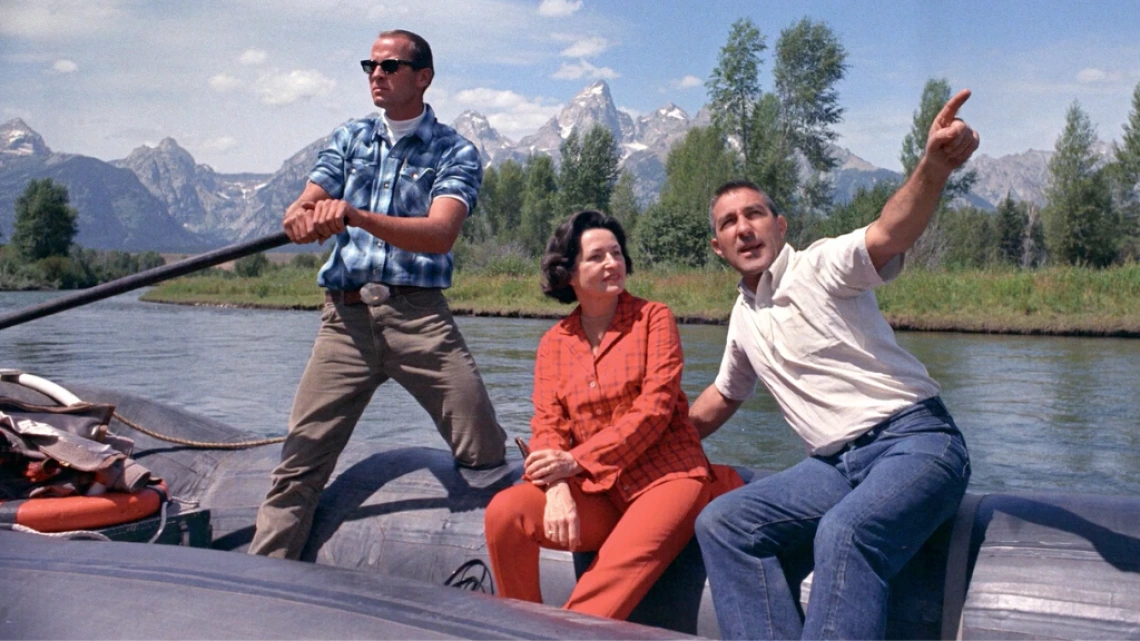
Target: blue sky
x=244, y=84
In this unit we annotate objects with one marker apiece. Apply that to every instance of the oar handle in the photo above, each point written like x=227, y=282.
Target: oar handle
x=144, y=278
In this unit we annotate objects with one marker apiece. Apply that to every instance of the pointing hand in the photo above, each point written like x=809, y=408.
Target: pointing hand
x=951, y=141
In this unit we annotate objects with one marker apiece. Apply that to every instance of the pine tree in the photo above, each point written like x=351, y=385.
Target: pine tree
x=1080, y=225
x=1012, y=228
x=45, y=223
x=1125, y=173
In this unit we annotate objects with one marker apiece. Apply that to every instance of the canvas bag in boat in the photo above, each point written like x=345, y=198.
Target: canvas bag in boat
x=53, y=451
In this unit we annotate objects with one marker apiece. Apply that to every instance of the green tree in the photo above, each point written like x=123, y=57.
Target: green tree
x=676, y=228
x=1080, y=225
x=862, y=210
x=502, y=200
x=1012, y=230
x=771, y=161
x=970, y=238
x=589, y=169
x=541, y=202
x=252, y=266
x=45, y=223
x=935, y=95
x=305, y=261
x=1033, y=251
x=623, y=203
x=478, y=227
x=734, y=86
x=1125, y=175
x=810, y=61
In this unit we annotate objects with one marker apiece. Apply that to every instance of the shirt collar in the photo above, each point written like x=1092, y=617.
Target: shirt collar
x=770, y=279
x=622, y=321
x=425, y=131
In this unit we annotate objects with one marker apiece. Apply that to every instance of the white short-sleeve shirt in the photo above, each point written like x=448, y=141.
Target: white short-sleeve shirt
x=813, y=333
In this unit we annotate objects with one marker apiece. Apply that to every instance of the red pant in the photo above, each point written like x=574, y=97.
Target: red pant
x=635, y=542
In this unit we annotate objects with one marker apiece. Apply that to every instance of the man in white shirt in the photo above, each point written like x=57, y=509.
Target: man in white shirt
x=886, y=464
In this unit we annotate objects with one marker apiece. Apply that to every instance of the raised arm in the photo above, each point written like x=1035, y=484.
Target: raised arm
x=949, y=145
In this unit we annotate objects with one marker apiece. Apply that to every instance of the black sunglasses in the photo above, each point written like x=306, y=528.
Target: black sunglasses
x=391, y=65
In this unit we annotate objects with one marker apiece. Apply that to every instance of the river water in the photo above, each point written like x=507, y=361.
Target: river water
x=1039, y=413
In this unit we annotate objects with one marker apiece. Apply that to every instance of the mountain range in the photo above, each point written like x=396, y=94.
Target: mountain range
x=160, y=198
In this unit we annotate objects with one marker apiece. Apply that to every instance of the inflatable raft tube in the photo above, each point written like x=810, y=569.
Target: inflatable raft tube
x=71, y=513
x=56, y=589
x=1009, y=565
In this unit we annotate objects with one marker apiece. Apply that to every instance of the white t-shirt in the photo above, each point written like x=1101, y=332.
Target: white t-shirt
x=814, y=334
x=398, y=129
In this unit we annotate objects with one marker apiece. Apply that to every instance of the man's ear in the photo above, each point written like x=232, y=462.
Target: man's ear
x=716, y=247
x=783, y=223
x=424, y=77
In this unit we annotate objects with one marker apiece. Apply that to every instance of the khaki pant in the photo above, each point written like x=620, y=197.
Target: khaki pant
x=411, y=339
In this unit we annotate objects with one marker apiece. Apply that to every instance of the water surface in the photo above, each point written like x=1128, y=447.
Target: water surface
x=1039, y=413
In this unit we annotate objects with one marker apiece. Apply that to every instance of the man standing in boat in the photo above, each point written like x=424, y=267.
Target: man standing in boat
x=393, y=190
x=886, y=463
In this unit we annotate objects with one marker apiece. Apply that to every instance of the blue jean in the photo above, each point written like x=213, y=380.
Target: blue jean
x=861, y=513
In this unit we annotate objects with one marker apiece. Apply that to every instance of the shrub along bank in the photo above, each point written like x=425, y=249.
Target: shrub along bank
x=1060, y=300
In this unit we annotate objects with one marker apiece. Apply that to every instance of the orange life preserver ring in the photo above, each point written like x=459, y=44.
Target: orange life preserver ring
x=68, y=513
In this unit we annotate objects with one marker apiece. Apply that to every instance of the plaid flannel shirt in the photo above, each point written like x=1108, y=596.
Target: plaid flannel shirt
x=621, y=413
x=360, y=167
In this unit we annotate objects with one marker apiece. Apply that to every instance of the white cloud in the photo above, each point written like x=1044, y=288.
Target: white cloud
x=222, y=83
x=558, y=8
x=584, y=70
x=1092, y=75
x=52, y=19
x=586, y=47
x=286, y=88
x=512, y=114
x=222, y=143
x=688, y=82
x=64, y=66
x=252, y=57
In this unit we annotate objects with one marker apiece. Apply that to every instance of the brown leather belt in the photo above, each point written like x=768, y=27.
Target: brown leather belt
x=352, y=296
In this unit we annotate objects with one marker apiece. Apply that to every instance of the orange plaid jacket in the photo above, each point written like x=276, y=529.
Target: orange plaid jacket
x=621, y=413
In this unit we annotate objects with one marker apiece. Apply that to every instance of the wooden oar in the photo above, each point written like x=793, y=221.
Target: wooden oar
x=142, y=279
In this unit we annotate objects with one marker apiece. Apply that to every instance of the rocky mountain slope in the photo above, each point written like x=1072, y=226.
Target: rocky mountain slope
x=161, y=198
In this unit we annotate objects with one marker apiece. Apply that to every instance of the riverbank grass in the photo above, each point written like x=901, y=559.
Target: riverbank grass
x=1062, y=301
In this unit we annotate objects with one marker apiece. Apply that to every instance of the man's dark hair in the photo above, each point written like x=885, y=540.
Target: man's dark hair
x=733, y=185
x=564, y=246
x=421, y=50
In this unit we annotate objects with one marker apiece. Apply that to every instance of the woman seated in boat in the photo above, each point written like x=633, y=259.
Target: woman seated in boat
x=615, y=464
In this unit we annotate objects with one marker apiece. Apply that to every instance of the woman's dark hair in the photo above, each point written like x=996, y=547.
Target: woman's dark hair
x=564, y=246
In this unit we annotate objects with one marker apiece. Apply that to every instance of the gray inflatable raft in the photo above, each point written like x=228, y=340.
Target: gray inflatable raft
x=1008, y=566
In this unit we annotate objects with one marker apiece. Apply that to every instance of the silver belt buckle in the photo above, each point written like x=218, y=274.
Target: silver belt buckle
x=374, y=294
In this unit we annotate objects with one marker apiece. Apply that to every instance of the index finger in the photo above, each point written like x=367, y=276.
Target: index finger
x=950, y=110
